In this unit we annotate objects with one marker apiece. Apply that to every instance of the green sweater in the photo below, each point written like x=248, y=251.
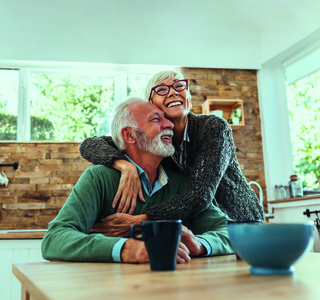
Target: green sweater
x=68, y=238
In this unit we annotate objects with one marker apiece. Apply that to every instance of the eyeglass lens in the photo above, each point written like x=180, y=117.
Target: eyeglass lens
x=178, y=86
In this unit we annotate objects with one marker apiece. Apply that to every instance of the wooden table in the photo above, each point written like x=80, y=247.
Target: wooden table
x=221, y=277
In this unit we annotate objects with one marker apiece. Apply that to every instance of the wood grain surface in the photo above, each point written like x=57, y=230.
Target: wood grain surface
x=221, y=277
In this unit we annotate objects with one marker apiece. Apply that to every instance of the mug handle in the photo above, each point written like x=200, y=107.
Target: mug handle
x=134, y=234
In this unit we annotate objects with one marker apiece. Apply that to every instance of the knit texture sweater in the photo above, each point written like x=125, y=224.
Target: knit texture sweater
x=215, y=175
x=68, y=238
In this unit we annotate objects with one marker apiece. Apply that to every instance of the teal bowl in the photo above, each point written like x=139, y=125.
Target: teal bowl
x=271, y=249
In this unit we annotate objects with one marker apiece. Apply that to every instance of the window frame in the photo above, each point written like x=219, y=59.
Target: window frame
x=27, y=68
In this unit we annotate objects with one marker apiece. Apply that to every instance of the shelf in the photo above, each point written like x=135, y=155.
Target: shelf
x=317, y=196
x=227, y=106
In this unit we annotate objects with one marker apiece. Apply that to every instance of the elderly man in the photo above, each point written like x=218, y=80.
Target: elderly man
x=142, y=132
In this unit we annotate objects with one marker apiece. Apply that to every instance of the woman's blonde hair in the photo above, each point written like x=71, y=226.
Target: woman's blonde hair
x=159, y=78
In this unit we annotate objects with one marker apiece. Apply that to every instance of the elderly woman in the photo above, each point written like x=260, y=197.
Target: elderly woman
x=204, y=150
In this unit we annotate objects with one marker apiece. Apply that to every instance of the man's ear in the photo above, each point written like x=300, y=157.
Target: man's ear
x=128, y=135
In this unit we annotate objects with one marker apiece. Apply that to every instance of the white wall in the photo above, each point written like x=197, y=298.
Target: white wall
x=288, y=22
x=186, y=33
x=274, y=116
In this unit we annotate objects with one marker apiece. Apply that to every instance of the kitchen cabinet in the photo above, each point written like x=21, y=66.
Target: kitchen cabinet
x=227, y=106
x=21, y=249
x=292, y=211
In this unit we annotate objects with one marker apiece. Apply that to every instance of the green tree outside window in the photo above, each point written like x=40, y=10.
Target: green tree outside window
x=304, y=116
x=75, y=106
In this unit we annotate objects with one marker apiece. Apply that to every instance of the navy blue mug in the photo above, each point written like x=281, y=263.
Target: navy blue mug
x=162, y=239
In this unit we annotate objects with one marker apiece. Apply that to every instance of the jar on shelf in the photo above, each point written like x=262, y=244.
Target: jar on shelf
x=295, y=187
x=287, y=191
x=281, y=192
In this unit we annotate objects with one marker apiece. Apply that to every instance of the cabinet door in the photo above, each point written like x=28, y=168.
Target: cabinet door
x=14, y=252
x=293, y=212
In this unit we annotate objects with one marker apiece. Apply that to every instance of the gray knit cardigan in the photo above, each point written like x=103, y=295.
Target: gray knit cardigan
x=215, y=172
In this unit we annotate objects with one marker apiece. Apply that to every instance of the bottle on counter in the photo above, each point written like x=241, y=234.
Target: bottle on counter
x=295, y=187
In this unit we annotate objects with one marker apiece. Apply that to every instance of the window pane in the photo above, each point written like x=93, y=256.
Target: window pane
x=304, y=116
x=9, y=95
x=137, y=83
x=70, y=107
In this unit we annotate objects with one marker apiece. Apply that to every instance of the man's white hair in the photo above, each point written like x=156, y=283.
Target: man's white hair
x=123, y=118
x=162, y=77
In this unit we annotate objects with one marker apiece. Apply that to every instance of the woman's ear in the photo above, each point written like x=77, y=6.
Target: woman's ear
x=189, y=102
x=128, y=135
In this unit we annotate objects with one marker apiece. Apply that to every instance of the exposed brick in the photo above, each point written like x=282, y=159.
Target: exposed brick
x=246, y=77
x=40, y=180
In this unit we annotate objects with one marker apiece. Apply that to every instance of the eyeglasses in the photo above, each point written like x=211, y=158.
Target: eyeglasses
x=164, y=89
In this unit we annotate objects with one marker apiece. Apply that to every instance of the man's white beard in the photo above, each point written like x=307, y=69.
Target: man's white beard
x=155, y=146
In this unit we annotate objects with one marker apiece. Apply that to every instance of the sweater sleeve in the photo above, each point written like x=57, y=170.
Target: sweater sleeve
x=100, y=150
x=214, y=147
x=211, y=225
x=68, y=238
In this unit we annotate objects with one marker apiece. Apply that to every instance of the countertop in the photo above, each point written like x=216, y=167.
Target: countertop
x=22, y=234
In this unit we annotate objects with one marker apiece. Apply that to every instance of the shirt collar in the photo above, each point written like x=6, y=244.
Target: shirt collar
x=161, y=180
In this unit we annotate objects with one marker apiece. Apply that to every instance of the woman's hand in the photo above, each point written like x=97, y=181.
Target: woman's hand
x=129, y=187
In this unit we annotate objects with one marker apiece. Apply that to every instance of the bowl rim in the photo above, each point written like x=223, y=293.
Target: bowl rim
x=243, y=223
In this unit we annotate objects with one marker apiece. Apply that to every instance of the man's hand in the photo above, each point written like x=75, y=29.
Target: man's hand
x=189, y=240
x=183, y=254
x=134, y=251
x=117, y=225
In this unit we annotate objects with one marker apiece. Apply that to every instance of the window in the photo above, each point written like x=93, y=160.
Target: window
x=65, y=102
x=9, y=94
x=136, y=84
x=303, y=97
x=70, y=107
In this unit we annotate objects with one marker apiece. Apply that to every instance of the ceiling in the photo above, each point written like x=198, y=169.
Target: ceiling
x=202, y=33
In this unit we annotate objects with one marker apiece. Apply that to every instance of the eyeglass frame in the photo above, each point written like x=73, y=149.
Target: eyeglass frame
x=169, y=86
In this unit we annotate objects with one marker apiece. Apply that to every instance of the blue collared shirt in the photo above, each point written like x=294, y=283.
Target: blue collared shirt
x=161, y=180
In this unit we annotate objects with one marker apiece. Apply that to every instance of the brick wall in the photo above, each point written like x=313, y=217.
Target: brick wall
x=41, y=184
x=48, y=171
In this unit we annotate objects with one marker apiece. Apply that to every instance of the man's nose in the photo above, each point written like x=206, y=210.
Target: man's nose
x=167, y=124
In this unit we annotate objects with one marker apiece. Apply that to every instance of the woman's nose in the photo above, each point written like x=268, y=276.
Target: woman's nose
x=172, y=92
